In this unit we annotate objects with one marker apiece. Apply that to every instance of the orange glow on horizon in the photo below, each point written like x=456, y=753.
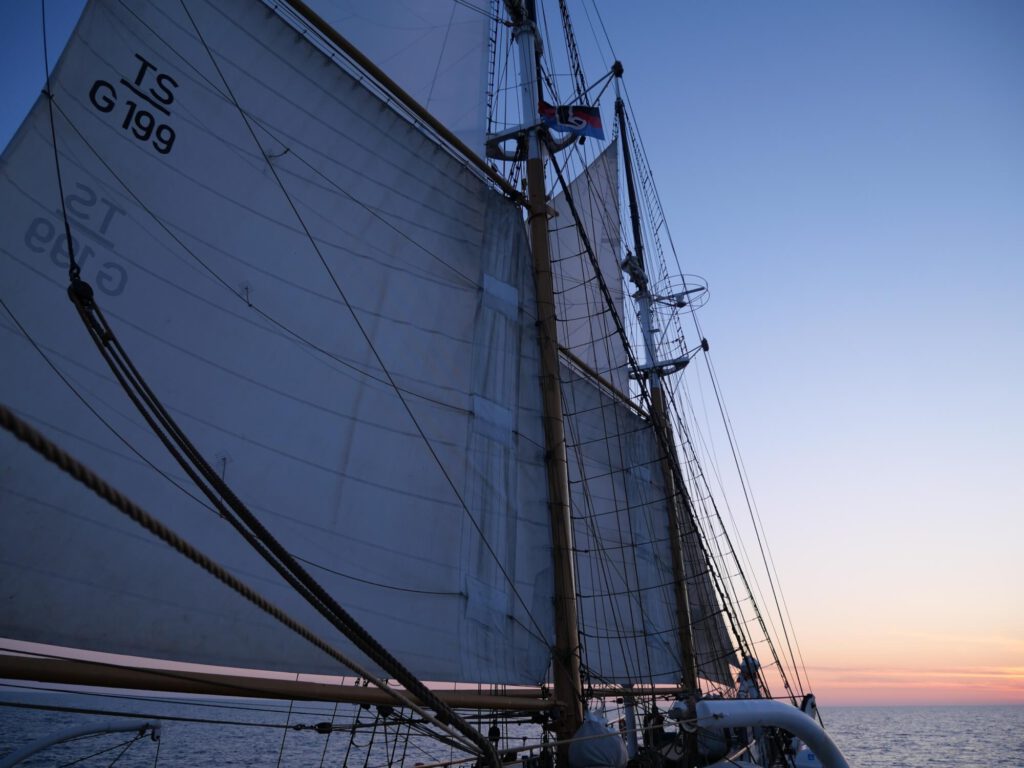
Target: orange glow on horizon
x=880, y=686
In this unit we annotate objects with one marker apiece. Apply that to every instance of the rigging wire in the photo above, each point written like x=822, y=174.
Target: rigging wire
x=718, y=583
x=607, y=563
x=284, y=731
x=653, y=193
x=634, y=365
x=124, y=744
x=73, y=269
x=767, y=558
x=482, y=11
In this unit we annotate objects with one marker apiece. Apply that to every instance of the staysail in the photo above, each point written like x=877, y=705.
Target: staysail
x=622, y=539
x=337, y=311
x=585, y=326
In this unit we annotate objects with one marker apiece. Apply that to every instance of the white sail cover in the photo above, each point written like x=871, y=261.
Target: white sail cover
x=436, y=50
x=422, y=513
x=585, y=323
x=624, y=560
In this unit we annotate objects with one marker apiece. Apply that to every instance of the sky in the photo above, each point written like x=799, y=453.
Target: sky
x=849, y=178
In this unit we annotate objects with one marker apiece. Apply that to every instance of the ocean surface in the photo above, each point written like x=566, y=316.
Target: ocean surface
x=229, y=732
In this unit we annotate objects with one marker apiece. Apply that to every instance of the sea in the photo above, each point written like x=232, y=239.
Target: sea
x=255, y=733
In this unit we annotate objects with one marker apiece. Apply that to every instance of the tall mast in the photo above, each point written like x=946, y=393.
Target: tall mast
x=679, y=500
x=566, y=653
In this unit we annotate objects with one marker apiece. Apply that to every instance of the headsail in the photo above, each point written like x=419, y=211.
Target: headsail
x=585, y=325
x=276, y=246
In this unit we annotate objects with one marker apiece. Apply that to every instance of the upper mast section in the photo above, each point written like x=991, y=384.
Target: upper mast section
x=691, y=294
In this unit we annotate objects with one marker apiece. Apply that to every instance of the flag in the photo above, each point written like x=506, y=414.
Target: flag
x=581, y=120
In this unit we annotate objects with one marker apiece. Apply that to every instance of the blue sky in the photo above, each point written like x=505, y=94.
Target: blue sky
x=849, y=177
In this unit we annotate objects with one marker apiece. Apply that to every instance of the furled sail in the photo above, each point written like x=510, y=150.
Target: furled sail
x=624, y=561
x=338, y=313
x=436, y=51
x=585, y=325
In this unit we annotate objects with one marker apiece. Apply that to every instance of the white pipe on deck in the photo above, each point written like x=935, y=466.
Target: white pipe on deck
x=761, y=713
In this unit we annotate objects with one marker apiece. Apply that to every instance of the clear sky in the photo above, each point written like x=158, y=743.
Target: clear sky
x=849, y=177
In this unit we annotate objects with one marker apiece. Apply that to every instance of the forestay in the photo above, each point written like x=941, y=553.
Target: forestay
x=236, y=308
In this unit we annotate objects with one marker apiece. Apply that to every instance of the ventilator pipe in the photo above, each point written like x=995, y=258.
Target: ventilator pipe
x=758, y=713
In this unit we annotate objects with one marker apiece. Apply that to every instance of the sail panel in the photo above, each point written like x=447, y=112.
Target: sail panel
x=338, y=313
x=437, y=52
x=620, y=530
x=623, y=548
x=585, y=323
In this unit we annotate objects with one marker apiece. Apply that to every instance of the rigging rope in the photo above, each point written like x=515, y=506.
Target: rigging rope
x=73, y=268
x=124, y=744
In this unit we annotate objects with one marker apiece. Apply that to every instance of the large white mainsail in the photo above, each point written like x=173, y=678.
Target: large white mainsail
x=234, y=306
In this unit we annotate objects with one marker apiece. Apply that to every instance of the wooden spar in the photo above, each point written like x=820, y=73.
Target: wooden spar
x=679, y=503
x=103, y=675
x=73, y=672
x=400, y=94
x=566, y=653
x=610, y=388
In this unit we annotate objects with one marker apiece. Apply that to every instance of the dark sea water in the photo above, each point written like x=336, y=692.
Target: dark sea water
x=255, y=734
x=932, y=737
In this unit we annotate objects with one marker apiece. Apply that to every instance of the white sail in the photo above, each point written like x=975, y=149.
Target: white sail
x=624, y=560
x=235, y=307
x=585, y=324
x=436, y=51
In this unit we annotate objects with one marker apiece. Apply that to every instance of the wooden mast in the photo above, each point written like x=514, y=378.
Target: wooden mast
x=566, y=653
